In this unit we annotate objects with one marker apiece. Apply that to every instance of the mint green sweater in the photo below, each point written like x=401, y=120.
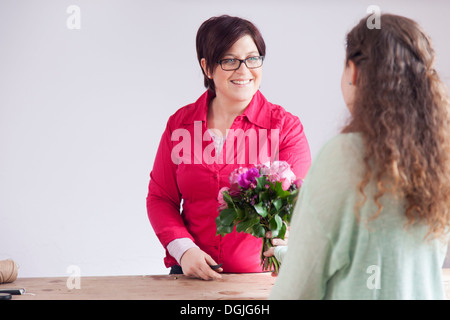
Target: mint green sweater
x=332, y=255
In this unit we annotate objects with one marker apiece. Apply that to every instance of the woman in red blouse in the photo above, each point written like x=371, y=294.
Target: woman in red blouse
x=231, y=125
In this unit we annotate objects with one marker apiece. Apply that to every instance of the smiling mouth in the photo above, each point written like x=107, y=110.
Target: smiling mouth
x=241, y=82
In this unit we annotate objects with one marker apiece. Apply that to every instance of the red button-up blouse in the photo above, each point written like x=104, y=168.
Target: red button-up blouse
x=186, y=170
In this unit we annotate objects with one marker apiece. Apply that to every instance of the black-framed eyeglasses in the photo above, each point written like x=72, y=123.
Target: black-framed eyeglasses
x=234, y=64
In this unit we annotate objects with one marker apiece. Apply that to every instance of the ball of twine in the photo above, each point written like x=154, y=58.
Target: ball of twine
x=8, y=271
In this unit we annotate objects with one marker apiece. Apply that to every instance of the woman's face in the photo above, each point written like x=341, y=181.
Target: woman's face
x=239, y=85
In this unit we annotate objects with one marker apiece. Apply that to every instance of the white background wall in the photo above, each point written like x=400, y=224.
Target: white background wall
x=82, y=111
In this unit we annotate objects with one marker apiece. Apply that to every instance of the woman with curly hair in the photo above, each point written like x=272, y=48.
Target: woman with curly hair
x=372, y=218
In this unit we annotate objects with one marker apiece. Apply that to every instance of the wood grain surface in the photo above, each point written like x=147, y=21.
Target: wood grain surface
x=254, y=286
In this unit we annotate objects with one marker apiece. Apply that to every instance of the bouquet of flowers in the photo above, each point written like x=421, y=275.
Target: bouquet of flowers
x=259, y=199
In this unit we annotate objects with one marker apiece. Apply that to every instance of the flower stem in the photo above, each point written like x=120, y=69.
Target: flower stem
x=268, y=263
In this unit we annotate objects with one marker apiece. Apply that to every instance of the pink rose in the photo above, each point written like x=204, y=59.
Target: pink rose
x=264, y=168
x=281, y=171
x=222, y=204
x=286, y=184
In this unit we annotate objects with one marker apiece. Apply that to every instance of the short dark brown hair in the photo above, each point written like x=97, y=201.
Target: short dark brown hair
x=217, y=35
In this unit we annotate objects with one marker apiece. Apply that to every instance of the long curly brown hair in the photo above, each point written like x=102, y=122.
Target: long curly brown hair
x=401, y=108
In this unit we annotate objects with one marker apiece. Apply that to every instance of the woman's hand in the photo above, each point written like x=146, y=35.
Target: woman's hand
x=275, y=242
x=196, y=263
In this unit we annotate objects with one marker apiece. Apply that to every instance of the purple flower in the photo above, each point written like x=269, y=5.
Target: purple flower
x=248, y=178
x=234, y=176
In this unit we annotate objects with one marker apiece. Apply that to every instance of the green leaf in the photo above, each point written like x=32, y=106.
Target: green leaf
x=264, y=195
x=261, y=183
x=227, y=216
x=240, y=214
x=227, y=198
x=261, y=209
x=285, y=216
x=259, y=231
x=282, y=232
x=280, y=192
x=243, y=226
x=223, y=230
x=278, y=203
x=292, y=198
x=275, y=223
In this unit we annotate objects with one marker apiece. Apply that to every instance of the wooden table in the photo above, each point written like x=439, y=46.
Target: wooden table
x=255, y=286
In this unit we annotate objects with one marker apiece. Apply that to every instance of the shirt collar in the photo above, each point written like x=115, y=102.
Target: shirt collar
x=200, y=108
x=257, y=112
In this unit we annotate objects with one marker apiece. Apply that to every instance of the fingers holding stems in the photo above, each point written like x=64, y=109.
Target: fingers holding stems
x=270, y=251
